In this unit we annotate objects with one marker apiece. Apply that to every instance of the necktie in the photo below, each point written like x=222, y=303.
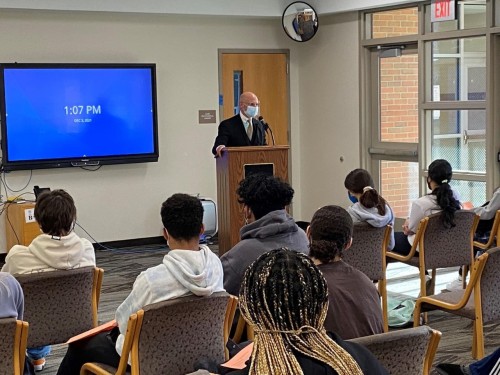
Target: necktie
x=249, y=129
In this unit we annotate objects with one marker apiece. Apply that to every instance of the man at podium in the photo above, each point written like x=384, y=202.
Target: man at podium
x=243, y=129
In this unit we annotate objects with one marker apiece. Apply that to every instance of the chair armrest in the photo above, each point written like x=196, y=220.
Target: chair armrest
x=96, y=368
x=420, y=231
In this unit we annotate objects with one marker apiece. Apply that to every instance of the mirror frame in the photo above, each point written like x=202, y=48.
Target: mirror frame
x=298, y=37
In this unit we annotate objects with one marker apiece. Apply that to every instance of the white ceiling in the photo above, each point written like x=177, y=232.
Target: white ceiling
x=258, y=8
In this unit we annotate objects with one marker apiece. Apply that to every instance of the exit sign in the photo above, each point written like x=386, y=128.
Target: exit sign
x=442, y=10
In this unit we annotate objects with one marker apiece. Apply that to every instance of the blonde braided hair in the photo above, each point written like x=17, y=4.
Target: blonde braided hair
x=284, y=297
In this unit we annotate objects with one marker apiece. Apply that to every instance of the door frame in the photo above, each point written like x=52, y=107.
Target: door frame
x=286, y=52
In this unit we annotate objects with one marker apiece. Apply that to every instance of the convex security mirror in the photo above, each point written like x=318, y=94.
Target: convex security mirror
x=300, y=21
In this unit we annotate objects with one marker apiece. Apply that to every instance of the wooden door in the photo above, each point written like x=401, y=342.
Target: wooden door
x=264, y=74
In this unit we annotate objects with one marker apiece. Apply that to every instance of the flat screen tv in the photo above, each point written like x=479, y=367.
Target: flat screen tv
x=63, y=115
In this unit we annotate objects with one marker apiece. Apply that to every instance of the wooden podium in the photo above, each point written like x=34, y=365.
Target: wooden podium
x=232, y=167
x=20, y=225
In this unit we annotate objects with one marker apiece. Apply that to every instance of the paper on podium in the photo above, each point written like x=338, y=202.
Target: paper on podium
x=238, y=362
x=94, y=331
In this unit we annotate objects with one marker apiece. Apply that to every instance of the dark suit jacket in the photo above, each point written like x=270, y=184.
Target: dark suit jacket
x=232, y=134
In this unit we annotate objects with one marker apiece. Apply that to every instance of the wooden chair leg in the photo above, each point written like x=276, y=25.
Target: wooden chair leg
x=416, y=315
x=382, y=289
x=433, y=281
x=465, y=270
x=478, y=339
x=474, y=340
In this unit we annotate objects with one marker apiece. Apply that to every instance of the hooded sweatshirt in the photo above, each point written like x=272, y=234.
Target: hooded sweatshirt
x=272, y=231
x=360, y=213
x=11, y=297
x=182, y=273
x=50, y=253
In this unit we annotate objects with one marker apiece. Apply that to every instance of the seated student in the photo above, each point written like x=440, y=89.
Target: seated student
x=489, y=365
x=284, y=298
x=368, y=206
x=354, y=308
x=441, y=199
x=12, y=304
x=268, y=226
x=58, y=248
x=11, y=297
x=188, y=269
x=487, y=214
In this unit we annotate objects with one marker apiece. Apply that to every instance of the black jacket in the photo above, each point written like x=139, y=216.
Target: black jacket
x=232, y=134
x=365, y=359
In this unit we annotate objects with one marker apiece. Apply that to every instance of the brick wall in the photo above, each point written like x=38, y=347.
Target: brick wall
x=398, y=107
x=395, y=23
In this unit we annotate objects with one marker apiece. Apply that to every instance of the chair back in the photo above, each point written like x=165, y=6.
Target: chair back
x=60, y=304
x=13, y=335
x=408, y=351
x=367, y=252
x=172, y=336
x=448, y=247
x=489, y=286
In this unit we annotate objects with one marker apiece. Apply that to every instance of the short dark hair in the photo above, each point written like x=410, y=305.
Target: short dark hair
x=55, y=212
x=182, y=216
x=330, y=232
x=264, y=193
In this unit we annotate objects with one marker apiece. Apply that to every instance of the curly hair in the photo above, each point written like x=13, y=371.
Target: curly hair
x=330, y=232
x=284, y=297
x=55, y=212
x=264, y=193
x=440, y=172
x=357, y=181
x=182, y=216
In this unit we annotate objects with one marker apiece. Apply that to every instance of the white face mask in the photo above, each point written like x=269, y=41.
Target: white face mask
x=252, y=111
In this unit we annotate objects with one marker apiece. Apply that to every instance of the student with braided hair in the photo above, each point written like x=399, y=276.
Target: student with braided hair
x=284, y=297
x=441, y=199
x=368, y=205
x=354, y=309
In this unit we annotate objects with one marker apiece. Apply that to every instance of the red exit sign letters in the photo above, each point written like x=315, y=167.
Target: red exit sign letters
x=442, y=10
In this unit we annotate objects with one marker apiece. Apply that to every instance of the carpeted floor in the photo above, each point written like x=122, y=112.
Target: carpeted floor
x=122, y=267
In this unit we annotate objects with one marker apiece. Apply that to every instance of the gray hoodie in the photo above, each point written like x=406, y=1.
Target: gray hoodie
x=182, y=273
x=360, y=213
x=488, y=211
x=274, y=230
x=11, y=297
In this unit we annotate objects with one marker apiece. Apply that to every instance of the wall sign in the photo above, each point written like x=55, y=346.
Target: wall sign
x=206, y=116
x=443, y=10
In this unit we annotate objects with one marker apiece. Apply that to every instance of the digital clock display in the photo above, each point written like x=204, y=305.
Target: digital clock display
x=82, y=109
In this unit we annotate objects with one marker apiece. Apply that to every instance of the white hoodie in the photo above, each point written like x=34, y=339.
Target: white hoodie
x=360, y=213
x=182, y=273
x=50, y=253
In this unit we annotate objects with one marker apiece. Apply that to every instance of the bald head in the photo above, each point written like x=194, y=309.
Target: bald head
x=248, y=99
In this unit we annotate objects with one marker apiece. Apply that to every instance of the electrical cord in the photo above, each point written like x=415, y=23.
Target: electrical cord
x=7, y=187
x=121, y=251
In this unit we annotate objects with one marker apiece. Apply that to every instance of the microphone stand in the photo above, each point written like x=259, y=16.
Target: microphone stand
x=272, y=134
x=266, y=128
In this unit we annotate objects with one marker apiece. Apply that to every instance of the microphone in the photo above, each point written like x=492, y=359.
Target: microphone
x=267, y=127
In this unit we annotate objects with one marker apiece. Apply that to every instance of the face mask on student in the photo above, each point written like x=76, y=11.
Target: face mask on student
x=352, y=198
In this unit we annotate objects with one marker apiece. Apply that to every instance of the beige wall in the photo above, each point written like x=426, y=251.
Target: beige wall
x=329, y=112
x=122, y=201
